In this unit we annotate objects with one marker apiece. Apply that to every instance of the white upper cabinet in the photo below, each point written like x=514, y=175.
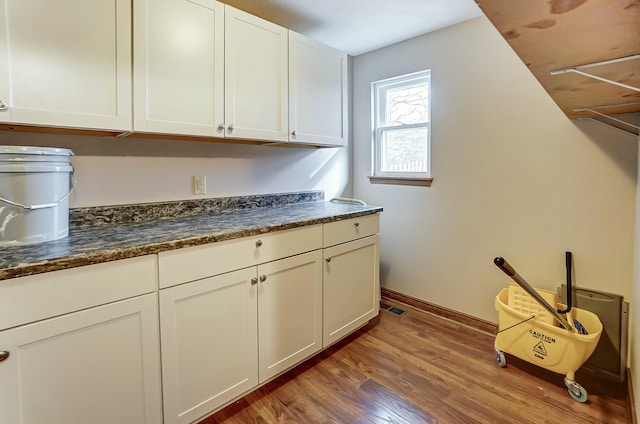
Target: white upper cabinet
x=317, y=92
x=179, y=67
x=200, y=68
x=256, y=78
x=205, y=69
x=66, y=63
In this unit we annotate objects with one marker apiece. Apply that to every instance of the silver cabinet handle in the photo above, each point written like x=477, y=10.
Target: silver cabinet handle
x=293, y=133
x=4, y=355
x=4, y=105
x=230, y=128
x=254, y=280
x=328, y=259
x=258, y=243
x=221, y=127
x=263, y=278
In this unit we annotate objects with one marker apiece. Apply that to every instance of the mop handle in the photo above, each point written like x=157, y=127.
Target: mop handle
x=568, y=259
x=508, y=269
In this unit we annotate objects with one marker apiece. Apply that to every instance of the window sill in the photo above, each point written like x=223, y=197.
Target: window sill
x=422, y=182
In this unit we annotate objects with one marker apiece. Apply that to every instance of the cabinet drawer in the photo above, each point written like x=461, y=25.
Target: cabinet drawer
x=36, y=297
x=350, y=229
x=194, y=263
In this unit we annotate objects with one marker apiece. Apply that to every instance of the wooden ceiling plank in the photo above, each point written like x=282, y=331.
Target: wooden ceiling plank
x=559, y=34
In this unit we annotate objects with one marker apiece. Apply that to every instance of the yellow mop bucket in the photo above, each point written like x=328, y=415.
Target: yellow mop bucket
x=527, y=329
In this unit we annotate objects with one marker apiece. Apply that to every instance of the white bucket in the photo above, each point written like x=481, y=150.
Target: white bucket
x=35, y=184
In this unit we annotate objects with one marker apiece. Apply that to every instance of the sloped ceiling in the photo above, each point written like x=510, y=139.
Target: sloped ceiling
x=555, y=35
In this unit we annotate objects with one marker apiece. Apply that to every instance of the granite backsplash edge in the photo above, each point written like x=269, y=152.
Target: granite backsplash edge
x=143, y=212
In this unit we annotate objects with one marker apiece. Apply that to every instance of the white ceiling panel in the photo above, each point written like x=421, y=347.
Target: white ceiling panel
x=360, y=26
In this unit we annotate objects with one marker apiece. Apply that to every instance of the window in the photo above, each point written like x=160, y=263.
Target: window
x=402, y=129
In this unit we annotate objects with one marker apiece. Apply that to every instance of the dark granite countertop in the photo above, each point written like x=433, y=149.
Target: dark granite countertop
x=108, y=236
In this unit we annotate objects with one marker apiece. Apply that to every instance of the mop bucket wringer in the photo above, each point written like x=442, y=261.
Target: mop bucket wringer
x=532, y=329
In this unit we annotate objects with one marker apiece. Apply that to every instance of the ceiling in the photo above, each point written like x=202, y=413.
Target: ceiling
x=549, y=36
x=360, y=26
x=556, y=38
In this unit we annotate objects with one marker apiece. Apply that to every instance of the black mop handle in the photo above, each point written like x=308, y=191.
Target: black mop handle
x=508, y=269
x=504, y=265
x=568, y=259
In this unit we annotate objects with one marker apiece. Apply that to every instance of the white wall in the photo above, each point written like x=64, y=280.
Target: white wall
x=512, y=177
x=113, y=171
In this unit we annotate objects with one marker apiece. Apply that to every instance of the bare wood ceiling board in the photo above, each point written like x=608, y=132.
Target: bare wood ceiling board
x=558, y=34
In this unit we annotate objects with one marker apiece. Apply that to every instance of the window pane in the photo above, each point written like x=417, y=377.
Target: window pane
x=405, y=150
x=407, y=105
x=402, y=129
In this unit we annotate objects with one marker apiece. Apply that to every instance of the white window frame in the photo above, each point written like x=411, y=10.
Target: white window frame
x=378, y=95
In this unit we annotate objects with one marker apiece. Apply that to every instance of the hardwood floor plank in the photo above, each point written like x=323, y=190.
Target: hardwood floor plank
x=420, y=368
x=391, y=408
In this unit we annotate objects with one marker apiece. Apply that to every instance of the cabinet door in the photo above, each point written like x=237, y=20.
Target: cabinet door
x=256, y=99
x=317, y=92
x=100, y=365
x=179, y=67
x=209, y=343
x=351, y=287
x=289, y=312
x=66, y=63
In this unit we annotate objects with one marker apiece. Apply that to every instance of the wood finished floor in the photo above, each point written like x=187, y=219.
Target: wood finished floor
x=420, y=368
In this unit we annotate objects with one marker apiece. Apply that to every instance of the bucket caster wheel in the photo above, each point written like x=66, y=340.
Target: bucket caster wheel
x=500, y=358
x=576, y=391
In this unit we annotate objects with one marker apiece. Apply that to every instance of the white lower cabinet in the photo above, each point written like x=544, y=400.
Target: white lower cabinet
x=289, y=312
x=81, y=346
x=85, y=344
x=351, y=286
x=99, y=365
x=209, y=333
x=225, y=334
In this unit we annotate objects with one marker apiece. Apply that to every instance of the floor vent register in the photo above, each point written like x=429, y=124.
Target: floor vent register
x=391, y=309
